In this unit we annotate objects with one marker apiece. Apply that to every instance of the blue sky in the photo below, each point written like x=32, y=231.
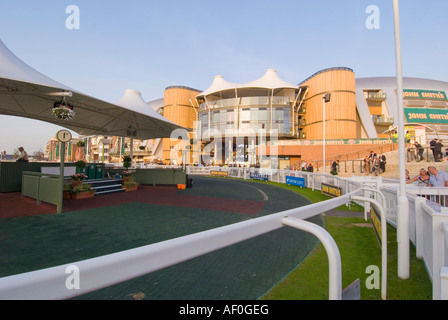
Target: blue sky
x=149, y=45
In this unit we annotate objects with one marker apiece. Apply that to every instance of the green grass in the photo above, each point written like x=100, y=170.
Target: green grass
x=359, y=249
x=313, y=195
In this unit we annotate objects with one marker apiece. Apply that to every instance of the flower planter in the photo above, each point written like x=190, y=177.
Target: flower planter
x=83, y=195
x=134, y=188
x=76, y=182
x=67, y=195
x=127, y=178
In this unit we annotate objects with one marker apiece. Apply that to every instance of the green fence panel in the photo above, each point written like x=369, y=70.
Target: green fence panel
x=99, y=172
x=49, y=189
x=92, y=171
x=160, y=176
x=11, y=173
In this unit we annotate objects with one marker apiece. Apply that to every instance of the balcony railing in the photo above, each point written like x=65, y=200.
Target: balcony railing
x=378, y=96
x=382, y=120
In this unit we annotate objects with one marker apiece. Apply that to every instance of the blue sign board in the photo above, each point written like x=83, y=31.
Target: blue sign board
x=258, y=176
x=295, y=181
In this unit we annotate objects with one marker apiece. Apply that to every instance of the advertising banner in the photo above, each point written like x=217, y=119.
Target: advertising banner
x=219, y=173
x=424, y=94
x=422, y=115
x=376, y=220
x=258, y=176
x=330, y=190
x=295, y=181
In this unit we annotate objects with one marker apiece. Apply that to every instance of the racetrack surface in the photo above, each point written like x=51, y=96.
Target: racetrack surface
x=113, y=223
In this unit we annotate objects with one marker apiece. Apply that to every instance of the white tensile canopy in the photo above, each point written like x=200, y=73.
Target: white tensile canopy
x=270, y=81
x=219, y=84
x=25, y=92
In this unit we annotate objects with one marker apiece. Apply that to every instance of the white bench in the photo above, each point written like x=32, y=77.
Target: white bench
x=68, y=171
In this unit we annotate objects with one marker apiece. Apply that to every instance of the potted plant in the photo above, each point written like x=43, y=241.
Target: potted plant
x=83, y=191
x=78, y=178
x=127, y=162
x=130, y=185
x=67, y=191
x=128, y=175
x=80, y=144
x=81, y=166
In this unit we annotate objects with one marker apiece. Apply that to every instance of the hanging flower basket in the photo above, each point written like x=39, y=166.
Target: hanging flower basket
x=63, y=110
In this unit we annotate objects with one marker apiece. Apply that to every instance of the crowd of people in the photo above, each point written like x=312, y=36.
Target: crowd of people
x=302, y=166
x=416, y=151
x=374, y=164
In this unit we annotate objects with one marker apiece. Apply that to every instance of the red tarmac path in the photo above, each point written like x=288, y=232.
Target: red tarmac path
x=12, y=205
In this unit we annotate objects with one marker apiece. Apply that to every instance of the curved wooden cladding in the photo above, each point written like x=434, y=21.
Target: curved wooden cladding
x=178, y=106
x=340, y=112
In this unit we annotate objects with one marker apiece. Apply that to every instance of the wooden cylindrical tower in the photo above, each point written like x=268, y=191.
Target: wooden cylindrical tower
x=178, y=107
x=340, y=112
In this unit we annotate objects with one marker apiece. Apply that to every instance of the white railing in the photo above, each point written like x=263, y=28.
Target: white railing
x=444, y=269
x=93, y=274
x=428, y=216
x=426, y=231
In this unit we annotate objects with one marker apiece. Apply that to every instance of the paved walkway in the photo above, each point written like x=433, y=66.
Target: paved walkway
x=38, y=238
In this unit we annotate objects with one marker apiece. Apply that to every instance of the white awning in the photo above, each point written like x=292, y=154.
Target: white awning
x=25, y=92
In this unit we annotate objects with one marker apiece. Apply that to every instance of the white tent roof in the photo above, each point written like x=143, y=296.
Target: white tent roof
x=219, y=84
x=270, y=80
x=25, y=92
x=11, y=67
x=156, y=104
x=132, y=100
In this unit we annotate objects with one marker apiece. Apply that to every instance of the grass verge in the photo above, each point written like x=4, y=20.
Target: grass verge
x=359, y=249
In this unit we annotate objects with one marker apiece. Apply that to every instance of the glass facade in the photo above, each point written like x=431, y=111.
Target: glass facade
x=248, y=113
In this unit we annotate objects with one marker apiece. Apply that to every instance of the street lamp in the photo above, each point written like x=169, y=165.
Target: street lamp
x=325, y=99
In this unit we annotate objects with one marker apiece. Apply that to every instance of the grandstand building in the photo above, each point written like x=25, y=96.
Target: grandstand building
x=360, y=113
x=233, y=122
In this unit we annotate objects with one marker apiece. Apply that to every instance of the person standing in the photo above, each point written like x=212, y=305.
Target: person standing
x=310, y=168
x=419, y=148
x=335, y=167
x=395, y=135
x=367, y=165
x=407, y=137
x=23, y=156
x=432, y=146
x=376, y=166
x=372, y=155
x=382, y=159
x=438, y=151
